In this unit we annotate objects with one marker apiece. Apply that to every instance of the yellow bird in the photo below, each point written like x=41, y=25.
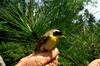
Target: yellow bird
x=49, y=40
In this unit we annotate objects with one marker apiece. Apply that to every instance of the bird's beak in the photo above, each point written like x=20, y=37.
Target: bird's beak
x=63, y=36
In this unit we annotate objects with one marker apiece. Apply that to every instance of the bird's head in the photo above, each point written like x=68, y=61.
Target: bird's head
x=54, y=33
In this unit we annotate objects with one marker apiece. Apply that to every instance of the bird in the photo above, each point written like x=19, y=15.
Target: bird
x=49, y=40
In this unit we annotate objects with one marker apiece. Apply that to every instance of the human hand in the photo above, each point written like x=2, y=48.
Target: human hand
x=95, y=62
x=40, y=59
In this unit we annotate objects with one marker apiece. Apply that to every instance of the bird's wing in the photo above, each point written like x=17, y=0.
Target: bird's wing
x=40, y=42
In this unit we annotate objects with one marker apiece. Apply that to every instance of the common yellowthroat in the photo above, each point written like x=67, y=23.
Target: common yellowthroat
x=49, y=40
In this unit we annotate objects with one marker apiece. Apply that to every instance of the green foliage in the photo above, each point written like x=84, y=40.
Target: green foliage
x=17, y=22
x=21, y=22
x=12, y=52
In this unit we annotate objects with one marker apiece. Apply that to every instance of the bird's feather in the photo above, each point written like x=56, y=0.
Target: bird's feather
x=40, y=42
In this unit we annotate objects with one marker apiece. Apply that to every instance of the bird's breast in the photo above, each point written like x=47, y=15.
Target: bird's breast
x=51, y=43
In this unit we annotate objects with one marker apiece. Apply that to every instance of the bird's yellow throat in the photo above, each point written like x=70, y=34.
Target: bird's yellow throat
x=51, y=43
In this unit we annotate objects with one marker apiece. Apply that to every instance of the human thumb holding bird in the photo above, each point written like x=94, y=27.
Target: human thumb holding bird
x=40, y=59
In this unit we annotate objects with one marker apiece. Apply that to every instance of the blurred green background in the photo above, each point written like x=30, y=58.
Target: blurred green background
x=21, y=21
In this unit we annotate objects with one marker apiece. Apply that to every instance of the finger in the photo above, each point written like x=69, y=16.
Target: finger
x=53, y=62
x=44, y=58
x=95, y=63
x=39, y=59
x=27, y=61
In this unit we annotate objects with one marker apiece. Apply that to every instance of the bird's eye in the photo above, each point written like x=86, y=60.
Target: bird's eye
x=57, y=33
